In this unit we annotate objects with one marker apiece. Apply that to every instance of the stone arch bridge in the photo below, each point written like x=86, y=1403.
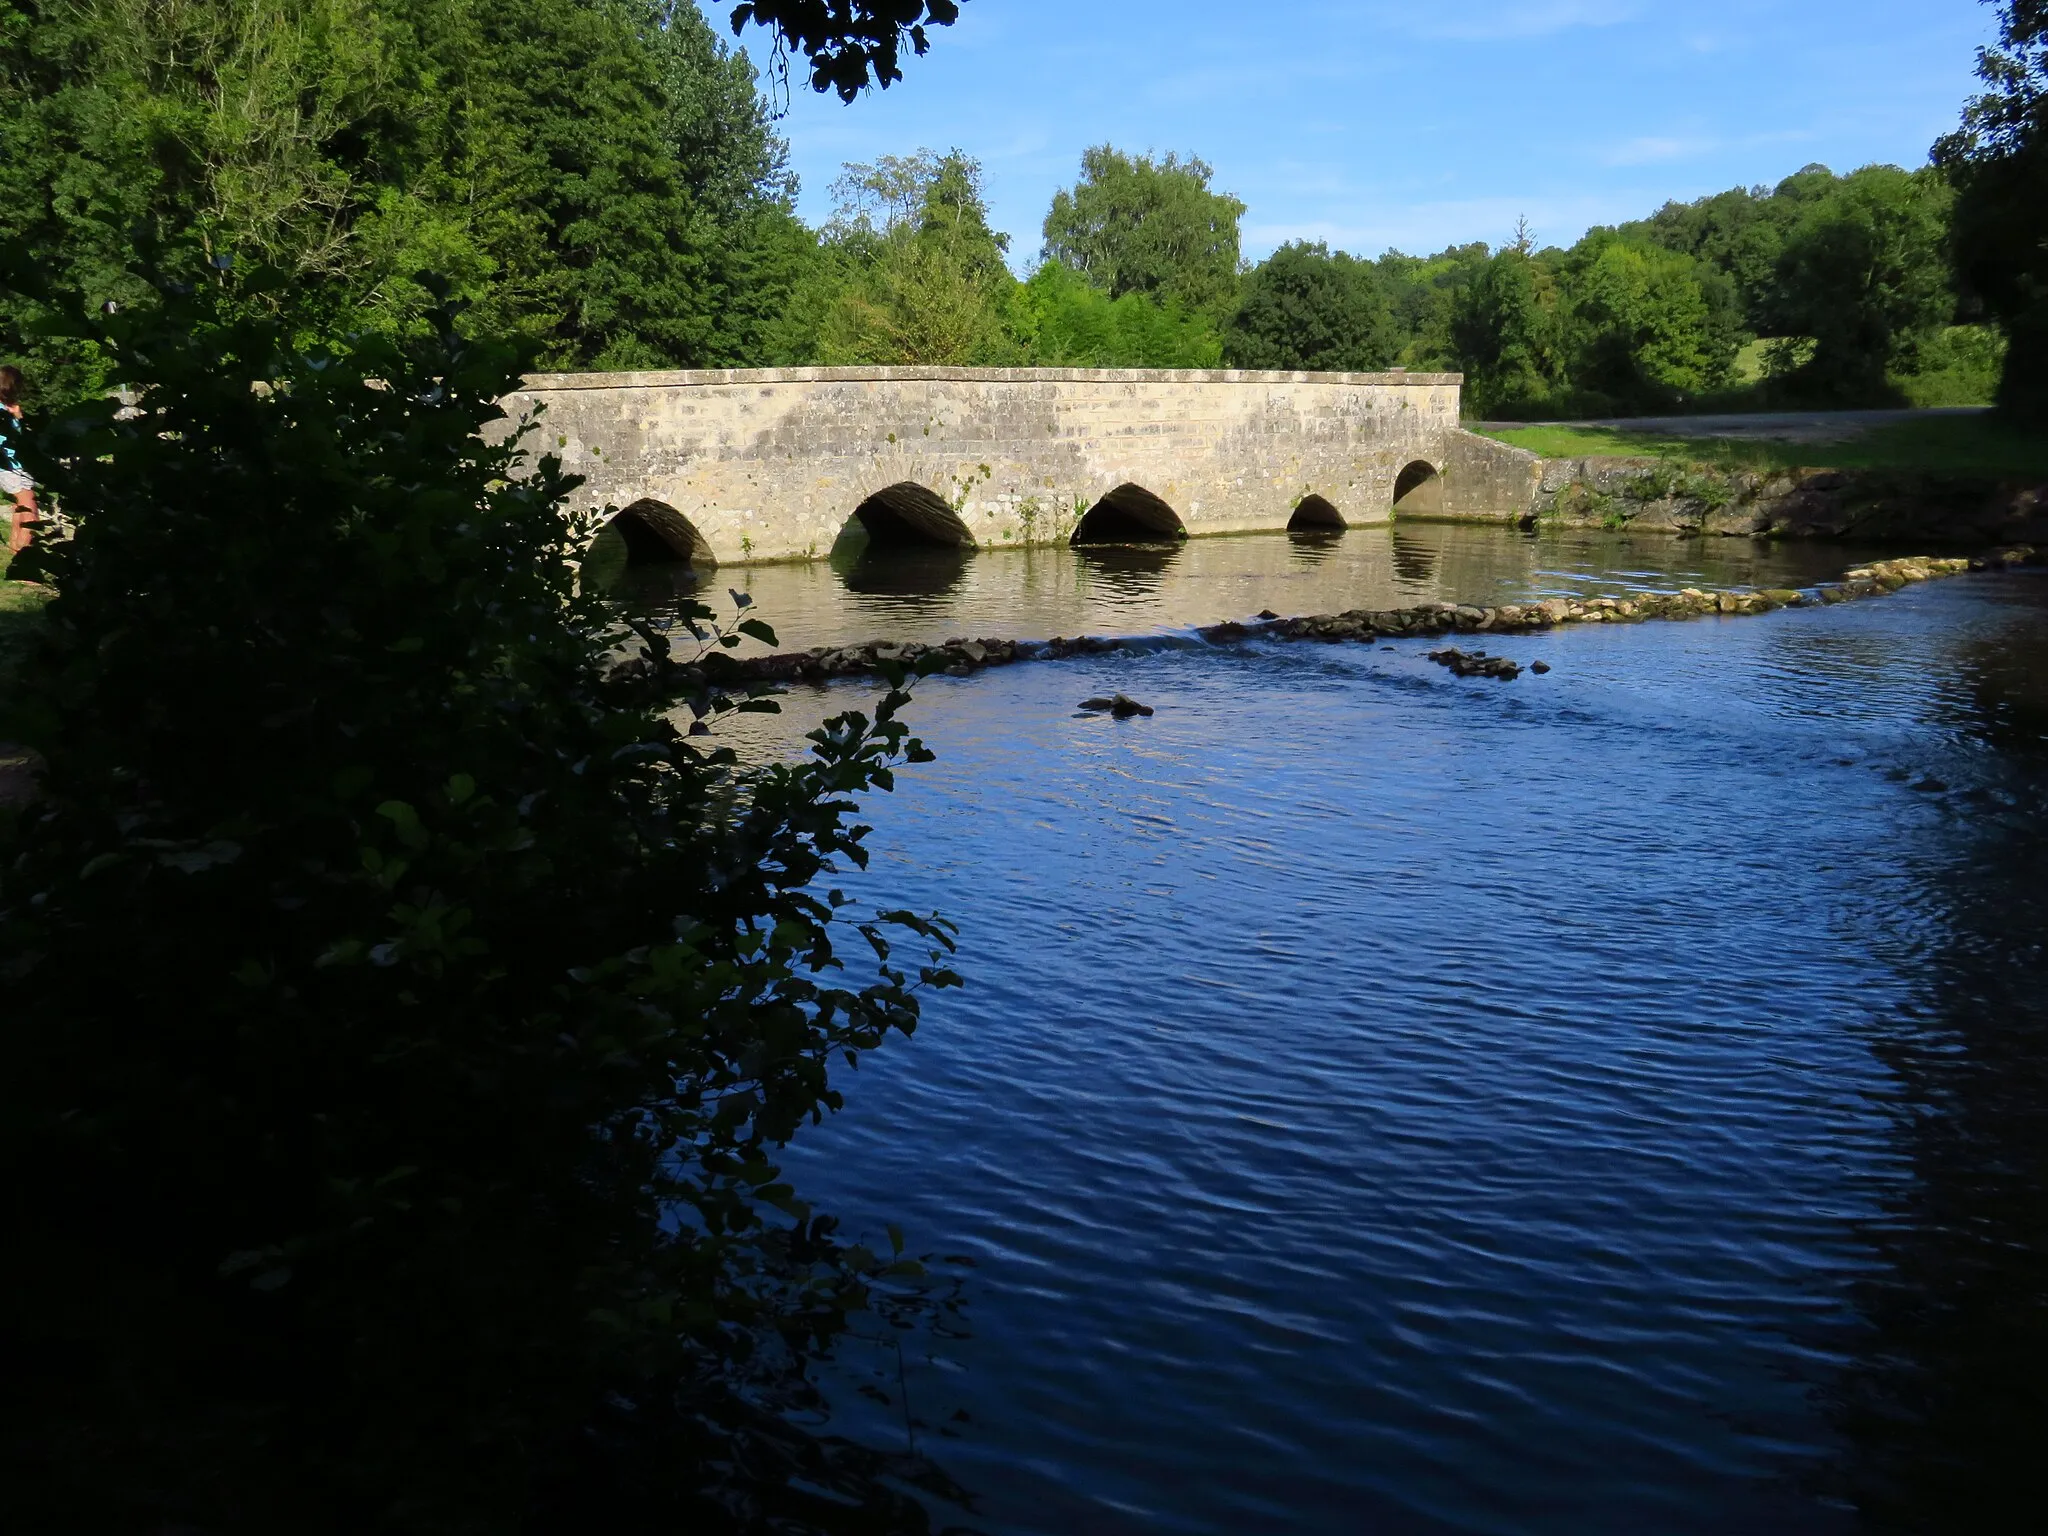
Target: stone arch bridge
x=720, y=466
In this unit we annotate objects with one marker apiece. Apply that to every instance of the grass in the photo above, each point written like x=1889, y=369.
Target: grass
x=1965, y=445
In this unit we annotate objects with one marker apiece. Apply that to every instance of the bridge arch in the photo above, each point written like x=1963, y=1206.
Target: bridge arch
x=1130, y=514
x=1315, y=514
x=913, y=515
x=655, y=533
x=1419, y=490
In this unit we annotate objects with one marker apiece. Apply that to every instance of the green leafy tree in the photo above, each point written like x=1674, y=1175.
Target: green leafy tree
x=1637, y=327
x=254, y=127
x=1305, y=308
x=736, y=181
x=1503, y=332
x=600, y=176
x=1422, y=293
x=926, y=277
x=1739, y=234
x=559, y=133
x=1060, y=320
x=1998, y=162
x=1865, y=274
x=1133, y=224
x=415, y=1169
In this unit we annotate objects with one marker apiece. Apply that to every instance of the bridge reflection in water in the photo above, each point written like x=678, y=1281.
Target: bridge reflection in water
x=869, y=590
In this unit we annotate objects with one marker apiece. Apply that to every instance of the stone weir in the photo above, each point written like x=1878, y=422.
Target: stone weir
x=725, y=466
x=1430, y=620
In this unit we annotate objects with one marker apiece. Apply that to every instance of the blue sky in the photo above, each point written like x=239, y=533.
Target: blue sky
x=1370, y=123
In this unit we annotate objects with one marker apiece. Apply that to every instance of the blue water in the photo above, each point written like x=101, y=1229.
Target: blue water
x=1388, y=1102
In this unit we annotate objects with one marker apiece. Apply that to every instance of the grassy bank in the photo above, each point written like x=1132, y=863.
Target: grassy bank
x=1966, y=445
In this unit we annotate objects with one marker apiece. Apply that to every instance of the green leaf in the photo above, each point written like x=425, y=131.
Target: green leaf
x=406, y=821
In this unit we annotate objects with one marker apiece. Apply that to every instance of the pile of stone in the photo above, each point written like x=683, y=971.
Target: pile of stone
x=1121, y=705
x=956, y=657
x=1477, y=664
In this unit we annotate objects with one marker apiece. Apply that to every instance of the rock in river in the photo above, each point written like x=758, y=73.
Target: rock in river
x=1476, y=664
x=1120, y=705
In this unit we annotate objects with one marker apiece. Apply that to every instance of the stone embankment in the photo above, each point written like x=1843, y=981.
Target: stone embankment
x=960, y=658
x=1887, y=506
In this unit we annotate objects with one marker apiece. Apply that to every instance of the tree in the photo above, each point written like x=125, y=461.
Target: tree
x=925, y=278
x=736, y=181
x=257, y=128
x=1998, y=163
x=1061, y=321
x=598, y=175
x=1422, y=292
x=428, y=1125
x=1305, y=308
x=848, y=42
x=1739, y=235
x=1502, y=329
x=1865, y=274
x=1637, y=326
x=1136, y=225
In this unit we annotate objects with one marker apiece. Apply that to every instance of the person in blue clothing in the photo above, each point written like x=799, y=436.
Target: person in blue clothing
x=14, y=481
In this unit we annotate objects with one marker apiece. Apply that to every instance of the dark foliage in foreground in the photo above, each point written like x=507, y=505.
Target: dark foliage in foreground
x=849, y=41
x=401, y=1013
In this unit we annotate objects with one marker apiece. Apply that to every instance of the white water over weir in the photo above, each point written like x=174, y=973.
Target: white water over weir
x=782, y=464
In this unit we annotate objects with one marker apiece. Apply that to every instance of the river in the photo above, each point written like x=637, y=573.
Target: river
x=1608, y=1101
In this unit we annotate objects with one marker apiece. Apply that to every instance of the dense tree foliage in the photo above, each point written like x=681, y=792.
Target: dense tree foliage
x=1864, y=273
x=1305, y=308
x=598, y=176
x=462, y=998
x=602, y=179
x=1061, y=320
x=1133, y=224
x=1998, y=161
x=1834, y=290
x=920, y=275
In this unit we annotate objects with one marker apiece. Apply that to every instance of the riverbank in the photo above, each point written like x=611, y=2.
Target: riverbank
x=963, y=657
x=1957, y=480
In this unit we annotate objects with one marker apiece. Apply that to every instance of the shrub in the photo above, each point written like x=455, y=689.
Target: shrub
x=402, y=1012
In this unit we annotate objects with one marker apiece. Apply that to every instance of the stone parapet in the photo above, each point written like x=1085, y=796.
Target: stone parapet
x=778, y=464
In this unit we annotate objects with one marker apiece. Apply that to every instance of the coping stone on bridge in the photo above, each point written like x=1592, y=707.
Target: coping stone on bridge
x=778, y=464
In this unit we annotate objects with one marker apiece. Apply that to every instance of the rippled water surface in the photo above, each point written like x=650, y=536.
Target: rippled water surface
x=1610, y=1101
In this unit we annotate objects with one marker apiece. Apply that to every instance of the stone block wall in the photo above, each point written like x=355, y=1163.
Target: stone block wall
x=773, y=464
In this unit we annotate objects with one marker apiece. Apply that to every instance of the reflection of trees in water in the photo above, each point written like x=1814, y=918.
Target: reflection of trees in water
x=1946, y=1409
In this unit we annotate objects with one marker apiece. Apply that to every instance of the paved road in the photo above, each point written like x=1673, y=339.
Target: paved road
x=1778, y=426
